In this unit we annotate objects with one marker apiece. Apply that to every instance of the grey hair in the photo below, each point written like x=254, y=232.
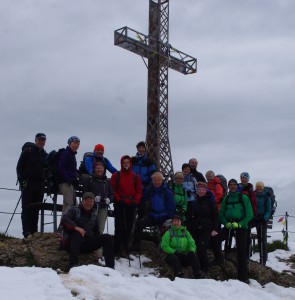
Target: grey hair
x=158, y=174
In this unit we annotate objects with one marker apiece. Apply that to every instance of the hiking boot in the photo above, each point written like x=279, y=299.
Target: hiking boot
x=179, y=274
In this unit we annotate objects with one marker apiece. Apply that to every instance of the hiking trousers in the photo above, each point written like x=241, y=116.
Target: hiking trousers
x=69, y=199
x=32, y=194
x=261, y=227
x=179, y=260
x=79, y=244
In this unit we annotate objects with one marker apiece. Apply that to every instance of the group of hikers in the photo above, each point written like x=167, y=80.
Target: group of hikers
x=197, y=213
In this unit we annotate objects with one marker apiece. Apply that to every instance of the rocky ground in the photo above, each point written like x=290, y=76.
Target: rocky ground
x=42, y=251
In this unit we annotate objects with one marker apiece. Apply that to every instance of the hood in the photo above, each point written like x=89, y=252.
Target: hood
x=121, y=162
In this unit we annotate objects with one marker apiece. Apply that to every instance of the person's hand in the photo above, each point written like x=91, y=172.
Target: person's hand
x=228, y=225
x=97, y=199
x=107, y=201
x=75, y=182
x=236, y=225
x=24, y=184
x=80, y=230
x=214, y=232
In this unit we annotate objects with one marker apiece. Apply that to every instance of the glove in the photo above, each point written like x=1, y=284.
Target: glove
x=75, y=181
x=228, y=225
x=97, y=199
x=235, y=225
x=24, y=184
x=107, y=201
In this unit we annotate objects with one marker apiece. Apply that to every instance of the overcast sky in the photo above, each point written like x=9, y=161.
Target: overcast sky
x=62, y=75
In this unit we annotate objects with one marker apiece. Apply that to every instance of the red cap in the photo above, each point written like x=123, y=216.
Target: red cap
x=99, y=147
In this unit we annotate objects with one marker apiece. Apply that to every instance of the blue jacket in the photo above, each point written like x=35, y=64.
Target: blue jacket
x=159, y=202
x=90, y=160
x=189, y=184
x=144, y=167
x=67, y=165
x=263, y=204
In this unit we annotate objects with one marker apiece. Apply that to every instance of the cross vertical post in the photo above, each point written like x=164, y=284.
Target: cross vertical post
x=161, y=56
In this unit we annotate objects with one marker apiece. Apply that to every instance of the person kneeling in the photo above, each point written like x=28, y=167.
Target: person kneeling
x=80, y=223
x=180, y=247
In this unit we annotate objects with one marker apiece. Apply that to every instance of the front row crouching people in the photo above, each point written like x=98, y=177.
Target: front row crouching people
x=80, y=223
x=157, y=206
x=235, y=214
x=180, y=248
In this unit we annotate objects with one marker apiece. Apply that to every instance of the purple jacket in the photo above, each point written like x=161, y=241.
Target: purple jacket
x=67, y=165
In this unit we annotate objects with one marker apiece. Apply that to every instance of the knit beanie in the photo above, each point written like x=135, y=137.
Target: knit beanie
x=232, y=180
x=73, y=139
x=99, y=147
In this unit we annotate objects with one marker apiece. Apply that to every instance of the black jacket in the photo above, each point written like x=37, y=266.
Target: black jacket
x=198, y=175
x=31, y=164
x=204, y=213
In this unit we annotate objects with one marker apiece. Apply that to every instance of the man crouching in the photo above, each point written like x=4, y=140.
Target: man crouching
x=80, y=223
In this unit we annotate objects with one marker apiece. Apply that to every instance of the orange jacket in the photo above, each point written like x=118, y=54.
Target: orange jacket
x=215, y=187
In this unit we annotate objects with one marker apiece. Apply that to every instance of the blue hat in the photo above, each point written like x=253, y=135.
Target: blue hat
x=245, y=175
x=73, y=139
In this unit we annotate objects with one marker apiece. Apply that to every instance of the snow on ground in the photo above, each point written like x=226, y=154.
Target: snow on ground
x=131, y=283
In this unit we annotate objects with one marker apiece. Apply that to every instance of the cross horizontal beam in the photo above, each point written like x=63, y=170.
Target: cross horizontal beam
x=139, y=43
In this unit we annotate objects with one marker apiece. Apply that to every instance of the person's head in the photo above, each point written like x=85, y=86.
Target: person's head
x=259, y=186
x=74, y=143
x=176, y=221
x=193, y=163
x=232, y=185
x=126, y=162
x=88, y=201
x=178, y=178
x=245, y=177
x=157, y=179
x=40, y=140
x=99, y=169
x=141, y=148
x=201, y=188
x=186, y=169
x=99, y=150
x=210, y=175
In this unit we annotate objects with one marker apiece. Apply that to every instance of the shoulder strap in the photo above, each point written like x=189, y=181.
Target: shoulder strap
x=117, y=179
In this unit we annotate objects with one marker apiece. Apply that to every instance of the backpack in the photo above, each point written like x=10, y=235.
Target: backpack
x=27, y=146
x=274, y=204
x=52, y=174
x=82, y=168
x=223, y=183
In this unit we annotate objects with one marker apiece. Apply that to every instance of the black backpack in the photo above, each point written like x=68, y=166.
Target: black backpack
x=52, y=174
x=28, y=146
x=274, y=204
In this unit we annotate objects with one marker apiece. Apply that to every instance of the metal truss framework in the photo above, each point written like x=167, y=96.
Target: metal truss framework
x=161, y=56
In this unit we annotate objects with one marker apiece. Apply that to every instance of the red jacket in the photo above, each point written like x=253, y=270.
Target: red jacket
x=128, y=187
x=215, y=187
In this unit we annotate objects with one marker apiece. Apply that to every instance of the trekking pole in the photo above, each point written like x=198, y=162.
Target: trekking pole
x=227, y=246
x=261, y=244
x=108, y=208
x=21, y=195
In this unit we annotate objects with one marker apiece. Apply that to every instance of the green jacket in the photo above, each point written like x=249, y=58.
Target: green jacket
x=180, y=199
x=177, y=240
x=236, y=209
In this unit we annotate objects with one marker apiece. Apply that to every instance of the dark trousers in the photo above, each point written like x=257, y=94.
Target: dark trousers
x=142, y=223
x=79, y=244
x=179, y=260
x=241, y=236
x=124, y=221
x=31, y=194
x=261, y=227
x=202, y=239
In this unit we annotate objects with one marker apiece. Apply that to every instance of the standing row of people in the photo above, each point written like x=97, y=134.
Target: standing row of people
x=142, y=198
